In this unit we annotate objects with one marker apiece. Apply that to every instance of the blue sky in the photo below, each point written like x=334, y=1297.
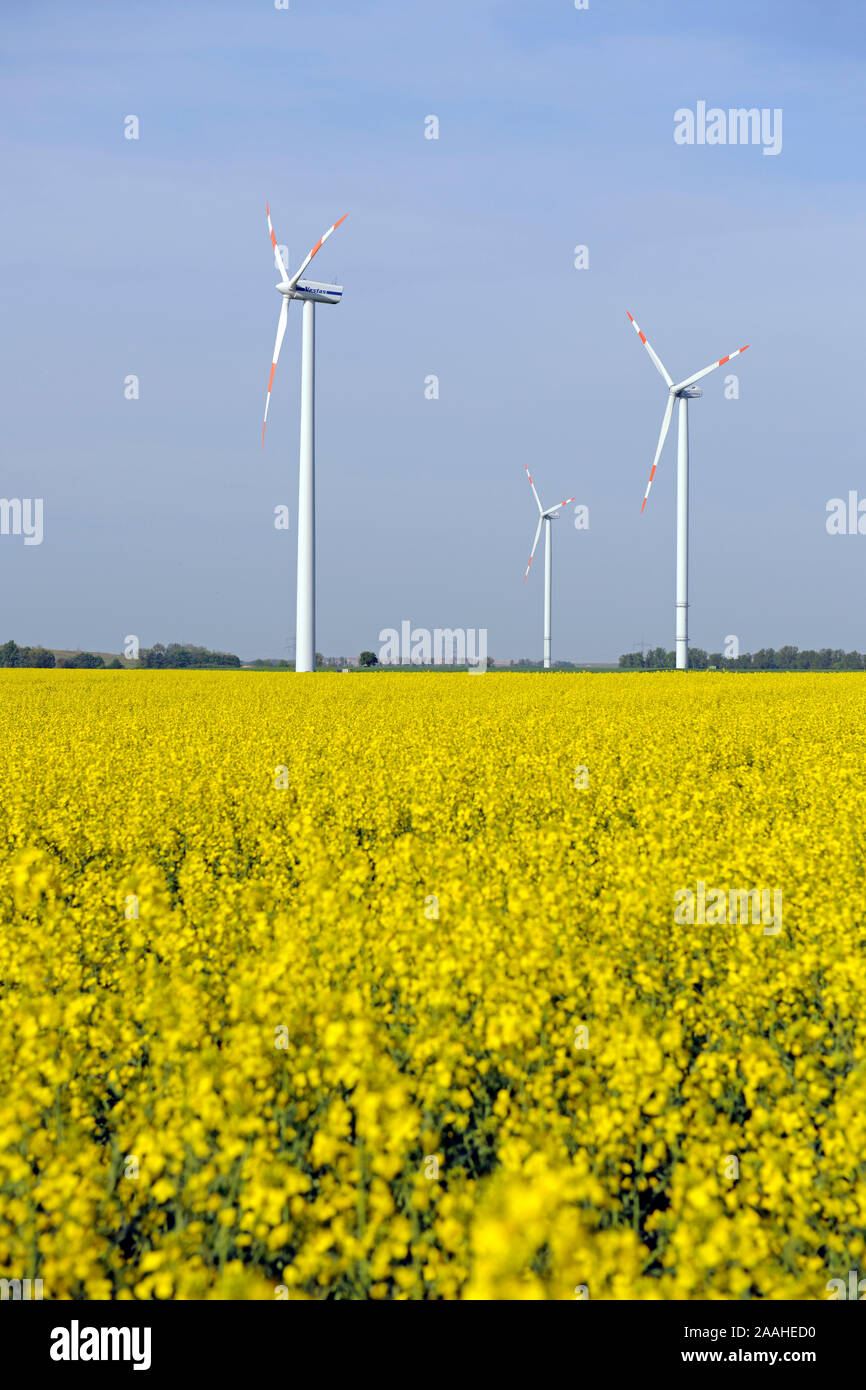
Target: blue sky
x=151, y=257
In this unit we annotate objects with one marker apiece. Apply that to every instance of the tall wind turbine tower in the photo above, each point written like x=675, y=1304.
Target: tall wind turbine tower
x=545, y=518
x=683, y=393
x=311, y=293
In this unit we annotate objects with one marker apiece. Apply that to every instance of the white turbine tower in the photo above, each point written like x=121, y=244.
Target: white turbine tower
x=683, y=392
x=544, y=519
x=311, y=293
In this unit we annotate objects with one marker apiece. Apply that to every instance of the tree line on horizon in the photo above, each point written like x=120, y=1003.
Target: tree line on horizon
x=176, y=656
x=183, y=656
x=767, y=659
x=186, y=656
x=13, y=655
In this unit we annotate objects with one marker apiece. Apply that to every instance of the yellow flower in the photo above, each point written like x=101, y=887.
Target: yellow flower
x=424, y=1021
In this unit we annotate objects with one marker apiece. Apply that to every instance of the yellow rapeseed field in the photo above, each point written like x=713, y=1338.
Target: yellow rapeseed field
x=380, y=985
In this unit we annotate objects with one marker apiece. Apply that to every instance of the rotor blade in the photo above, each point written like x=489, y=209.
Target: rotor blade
x=534, y=493
x=690, y=381
x=318, y=246
x=656, y=359
x=534, y=544
x=550, y=511
x=666, y=424
x=281, y=333
x=284, y=274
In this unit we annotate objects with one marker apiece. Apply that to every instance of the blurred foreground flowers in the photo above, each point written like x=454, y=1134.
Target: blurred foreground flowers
x=411, y=1017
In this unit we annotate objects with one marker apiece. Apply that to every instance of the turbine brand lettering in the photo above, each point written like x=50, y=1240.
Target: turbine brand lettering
x=737, y=126
x=76, y=1343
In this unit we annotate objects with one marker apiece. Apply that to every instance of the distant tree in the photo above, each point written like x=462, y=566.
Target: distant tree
x=184, y=656
x=153, y=657
x=64, y=664
x=660, y=660
x=86, y=661
x=13, y=655
x=764, y=660
x=368, y=659
x=116, y=665
x=41, y=656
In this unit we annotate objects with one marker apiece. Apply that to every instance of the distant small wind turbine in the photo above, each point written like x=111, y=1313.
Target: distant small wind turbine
x=311, y=293
x=684, y=392
x=544, y=519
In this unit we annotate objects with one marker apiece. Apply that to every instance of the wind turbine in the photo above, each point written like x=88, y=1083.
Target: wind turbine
x=310, y=293
x=684, y=392
x=544, y=519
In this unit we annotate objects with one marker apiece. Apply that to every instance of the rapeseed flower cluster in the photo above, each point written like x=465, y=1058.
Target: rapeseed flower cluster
x=371, y=986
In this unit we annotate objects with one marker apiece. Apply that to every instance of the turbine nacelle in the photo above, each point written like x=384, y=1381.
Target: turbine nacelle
x=293, y=287
x=683, y=391
x=311, y=289
x=550, y=514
